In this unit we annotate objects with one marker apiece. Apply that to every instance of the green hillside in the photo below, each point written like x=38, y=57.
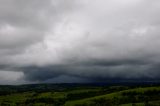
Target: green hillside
x=136, y=96
x=82, y=96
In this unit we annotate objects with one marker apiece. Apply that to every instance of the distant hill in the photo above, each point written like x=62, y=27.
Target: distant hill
x=79, y=94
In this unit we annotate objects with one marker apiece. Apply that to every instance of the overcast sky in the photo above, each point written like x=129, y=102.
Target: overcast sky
x=79, y=40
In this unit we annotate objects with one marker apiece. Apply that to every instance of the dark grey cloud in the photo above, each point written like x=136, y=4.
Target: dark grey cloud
x=85, y=41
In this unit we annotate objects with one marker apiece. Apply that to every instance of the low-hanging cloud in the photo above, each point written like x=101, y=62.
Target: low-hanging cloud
x=85, y=41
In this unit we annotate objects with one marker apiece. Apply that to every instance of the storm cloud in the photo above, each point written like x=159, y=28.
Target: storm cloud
x=79, y=40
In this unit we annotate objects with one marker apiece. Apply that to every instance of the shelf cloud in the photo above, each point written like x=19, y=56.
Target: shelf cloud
x=79, y=40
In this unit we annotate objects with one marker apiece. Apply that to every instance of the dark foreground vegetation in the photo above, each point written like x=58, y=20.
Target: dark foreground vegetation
x=81, y=95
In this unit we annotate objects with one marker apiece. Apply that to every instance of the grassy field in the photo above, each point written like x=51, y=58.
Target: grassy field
x=116, y=96
x=83, y=96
